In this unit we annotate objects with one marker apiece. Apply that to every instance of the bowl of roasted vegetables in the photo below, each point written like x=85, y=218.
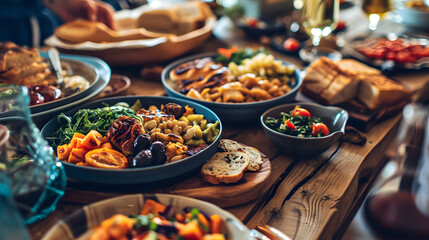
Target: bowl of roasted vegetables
x=127, y=140
x=237, y=84
x=150, y=216
x=304, y=129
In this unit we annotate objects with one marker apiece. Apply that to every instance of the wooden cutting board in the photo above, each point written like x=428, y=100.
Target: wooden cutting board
x=359, y=116
x=250, y=187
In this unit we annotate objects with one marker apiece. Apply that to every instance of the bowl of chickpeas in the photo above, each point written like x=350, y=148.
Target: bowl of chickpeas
x=237, y=86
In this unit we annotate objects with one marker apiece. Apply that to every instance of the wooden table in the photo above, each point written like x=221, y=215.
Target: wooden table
x=307, y=199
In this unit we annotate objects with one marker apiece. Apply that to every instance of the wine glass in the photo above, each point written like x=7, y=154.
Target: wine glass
x=398, y=208
x=319, y=18
x=376, y=10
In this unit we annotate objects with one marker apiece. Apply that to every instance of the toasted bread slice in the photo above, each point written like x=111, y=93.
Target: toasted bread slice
x=255, y=159
x=12, y=56
x=225, y=167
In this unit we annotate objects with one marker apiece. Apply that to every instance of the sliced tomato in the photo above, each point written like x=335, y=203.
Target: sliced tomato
x=320, y=128
x=391, y=56
x=404, y=57
x=290, y=125
x=301, y=112
x=106, y=158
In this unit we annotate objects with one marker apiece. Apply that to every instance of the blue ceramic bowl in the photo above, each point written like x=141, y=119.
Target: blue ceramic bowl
x=139, y=175
x=230, y=112
x=335, y=119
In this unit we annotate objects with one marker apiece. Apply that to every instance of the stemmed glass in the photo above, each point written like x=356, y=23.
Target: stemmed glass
x=376, y=10
x=319, y=18
x=399, y=207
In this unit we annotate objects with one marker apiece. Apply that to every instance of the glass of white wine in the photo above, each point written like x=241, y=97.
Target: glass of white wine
x=319, y=18
x=376, y=10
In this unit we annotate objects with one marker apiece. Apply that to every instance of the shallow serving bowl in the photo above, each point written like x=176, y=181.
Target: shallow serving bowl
x=229, y=112
x=335, y=119
x=95, y=70
x=158, y=173
x=79, y=224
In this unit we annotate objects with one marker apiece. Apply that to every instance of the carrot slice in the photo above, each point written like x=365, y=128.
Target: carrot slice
x=63, y=152
x=92, y=140
x=203, y=220
x=106, y=158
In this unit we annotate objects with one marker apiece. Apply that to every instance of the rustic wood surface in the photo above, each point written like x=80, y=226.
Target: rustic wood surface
x=252, y=185
x=307, y=199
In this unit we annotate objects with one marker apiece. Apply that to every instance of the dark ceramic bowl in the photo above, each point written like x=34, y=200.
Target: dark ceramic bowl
x=151, y=174
x=268, y=28
x=230, y=112
x=335, y=119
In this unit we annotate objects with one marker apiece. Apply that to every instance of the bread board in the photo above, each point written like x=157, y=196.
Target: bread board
x=359, y=116
x=250, y=187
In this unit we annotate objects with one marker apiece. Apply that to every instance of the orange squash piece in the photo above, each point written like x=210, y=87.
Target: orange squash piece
x=106, y=145
x=152, y=206
x=191, y=231
x=92, y=140
x=215, y=224
x=77, y=155
x=63, y=152
x=216, y=236
x=73, y=142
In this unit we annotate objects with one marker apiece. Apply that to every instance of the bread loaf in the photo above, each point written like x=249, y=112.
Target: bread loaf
x=338, y=82
x=225, y=167
x=377, y=91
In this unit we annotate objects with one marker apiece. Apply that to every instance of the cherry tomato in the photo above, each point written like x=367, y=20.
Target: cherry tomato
x=252, y=22
x=290, y=125
x=320, y=128
x=106, y=158
x=340, y=26
x=291, y=44
x=300, y=112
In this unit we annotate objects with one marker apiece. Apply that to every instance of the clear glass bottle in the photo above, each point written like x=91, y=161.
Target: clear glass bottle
x=37, y=177
x=398, y=208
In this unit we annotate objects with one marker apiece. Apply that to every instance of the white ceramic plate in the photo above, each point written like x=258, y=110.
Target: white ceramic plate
x=79, y=224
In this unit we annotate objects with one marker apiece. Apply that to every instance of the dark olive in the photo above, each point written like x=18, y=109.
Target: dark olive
x=142, y=159
x=158, y=153
x=141, y=143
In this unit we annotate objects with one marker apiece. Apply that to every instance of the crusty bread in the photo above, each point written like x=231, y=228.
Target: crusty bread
x=12, y=56
x=337, y=82
x=225, y=167
x=178, y=20
x=341, y=89
x=376, y=91
x=255, y=159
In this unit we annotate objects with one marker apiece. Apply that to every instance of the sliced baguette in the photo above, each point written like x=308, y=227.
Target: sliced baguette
x=255, y=159
x=225, y=167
